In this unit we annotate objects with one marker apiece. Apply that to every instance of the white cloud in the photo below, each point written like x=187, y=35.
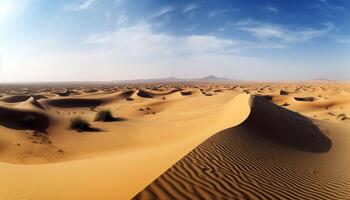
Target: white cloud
x=271, y=9
x=273, y=31
x=85, y=5
x=162, y=11
x=264, y=31
x=190, y=7
x=139, y=40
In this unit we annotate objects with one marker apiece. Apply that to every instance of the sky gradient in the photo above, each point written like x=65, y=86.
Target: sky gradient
x=103, y=40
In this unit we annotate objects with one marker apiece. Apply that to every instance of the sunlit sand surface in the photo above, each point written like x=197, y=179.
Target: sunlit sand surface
x=176, y=141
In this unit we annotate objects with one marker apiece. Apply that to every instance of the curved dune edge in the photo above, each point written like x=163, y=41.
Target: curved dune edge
x=121, y=175
x=14, y=116
x=246, y=162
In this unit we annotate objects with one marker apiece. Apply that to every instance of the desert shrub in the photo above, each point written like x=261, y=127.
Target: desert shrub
x=80, y=124
x=92, y=108
x=342, y=117
x=28, y=121
x=105, y=116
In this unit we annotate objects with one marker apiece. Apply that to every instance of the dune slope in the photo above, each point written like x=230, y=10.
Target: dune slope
x=120, y=160
x=274, y=154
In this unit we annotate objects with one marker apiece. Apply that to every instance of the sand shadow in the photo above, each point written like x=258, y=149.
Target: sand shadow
x=23, y=120
x=144, y=94
x=74, y=102
x=285, y=127
x=89, y=129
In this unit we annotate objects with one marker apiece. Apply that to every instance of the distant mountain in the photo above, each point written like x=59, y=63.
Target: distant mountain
x=214, y=78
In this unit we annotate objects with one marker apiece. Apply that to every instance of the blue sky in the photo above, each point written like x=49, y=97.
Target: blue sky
x=82, y=40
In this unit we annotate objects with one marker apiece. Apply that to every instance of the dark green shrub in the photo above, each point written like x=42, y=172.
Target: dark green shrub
x=105, y=116
x=80, y=124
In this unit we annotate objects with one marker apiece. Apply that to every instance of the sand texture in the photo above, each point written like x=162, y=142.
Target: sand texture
x=176, y=141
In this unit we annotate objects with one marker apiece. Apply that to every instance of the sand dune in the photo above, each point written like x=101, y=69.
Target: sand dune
x=15, y=98
x=73, y=102
x=21, y=98
x=274, y=154
x=148, y=143
x=263, y=142
x=32, y=103
x=15, y=118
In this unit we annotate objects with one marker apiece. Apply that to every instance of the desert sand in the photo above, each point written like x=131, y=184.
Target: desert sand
x=177, y=141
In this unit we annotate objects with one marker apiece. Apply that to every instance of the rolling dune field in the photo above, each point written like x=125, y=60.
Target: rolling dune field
x=176, y=141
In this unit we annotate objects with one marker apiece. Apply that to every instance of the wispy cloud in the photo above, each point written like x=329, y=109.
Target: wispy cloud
x=330, y=6
x=271, y=9
x=162, y=11
x=85, y=5
x=190, y=7
x=140, y=39
x=344, y=41
x=216, y=12
x=273, y=31
x=141, y=42
x=191, y=28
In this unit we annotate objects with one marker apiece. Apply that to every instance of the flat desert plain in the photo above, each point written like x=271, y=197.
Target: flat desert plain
x=176, y=141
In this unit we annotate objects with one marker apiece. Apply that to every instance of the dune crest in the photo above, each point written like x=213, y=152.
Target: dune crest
x=274, y=154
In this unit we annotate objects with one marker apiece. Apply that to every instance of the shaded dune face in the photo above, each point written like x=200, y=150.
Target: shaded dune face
x=64, y=93
x=144, y=94
x=74, y=102
x=16, y=99
x=310, y=99
x=186, y=93
x=21, y=98
x=14, y=119
x=127, y=94
x=285, y=127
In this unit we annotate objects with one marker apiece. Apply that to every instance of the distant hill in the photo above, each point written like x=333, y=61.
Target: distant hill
x=213, y=78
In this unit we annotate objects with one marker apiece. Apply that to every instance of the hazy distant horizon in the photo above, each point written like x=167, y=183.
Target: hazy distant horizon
x=168, y=79
x=108, y=40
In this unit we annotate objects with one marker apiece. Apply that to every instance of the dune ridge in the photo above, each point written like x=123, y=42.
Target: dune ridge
x=248, y=162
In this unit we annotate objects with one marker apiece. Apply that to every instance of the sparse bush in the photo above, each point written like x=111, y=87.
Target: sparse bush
x=28, y=121
x=105, y=116
x=92, y=108
x=80, y=124
x=342, y=117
